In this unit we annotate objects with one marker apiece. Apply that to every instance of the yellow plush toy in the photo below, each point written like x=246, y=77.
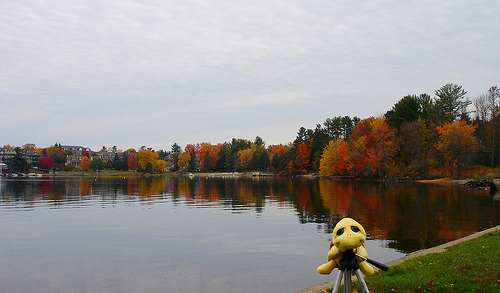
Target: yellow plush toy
x=347, y=235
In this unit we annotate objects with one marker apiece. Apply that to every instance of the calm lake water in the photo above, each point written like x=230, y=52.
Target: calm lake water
x=180, y=234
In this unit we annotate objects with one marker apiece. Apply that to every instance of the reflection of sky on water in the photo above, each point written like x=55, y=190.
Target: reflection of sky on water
x=181, y=236
x=158, y=247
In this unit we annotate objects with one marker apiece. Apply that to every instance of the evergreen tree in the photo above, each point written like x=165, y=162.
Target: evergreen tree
x=406, y=110
x=451, y=102
x=97, y=164
x=18, y=163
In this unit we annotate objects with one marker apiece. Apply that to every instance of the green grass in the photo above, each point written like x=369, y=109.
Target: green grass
x=471, y=266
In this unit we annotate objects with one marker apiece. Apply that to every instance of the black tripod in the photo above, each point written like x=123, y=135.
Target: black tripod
x=347, y=266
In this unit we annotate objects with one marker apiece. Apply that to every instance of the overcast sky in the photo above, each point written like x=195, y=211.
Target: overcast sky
x=132, y=73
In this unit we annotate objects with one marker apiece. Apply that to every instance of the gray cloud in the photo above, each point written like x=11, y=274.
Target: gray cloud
x=133, y=73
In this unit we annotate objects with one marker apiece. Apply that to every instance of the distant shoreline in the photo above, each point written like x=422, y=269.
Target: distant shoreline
x=443, y=181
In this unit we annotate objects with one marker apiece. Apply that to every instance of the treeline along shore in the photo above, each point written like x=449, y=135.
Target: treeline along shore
x=420, y=137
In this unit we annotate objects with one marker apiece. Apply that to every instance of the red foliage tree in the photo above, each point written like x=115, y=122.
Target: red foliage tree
x=133, y=161
x=45, y=163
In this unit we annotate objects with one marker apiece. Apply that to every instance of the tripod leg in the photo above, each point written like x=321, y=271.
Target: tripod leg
x=361, y=281
x=336, y=288
x=348, y=281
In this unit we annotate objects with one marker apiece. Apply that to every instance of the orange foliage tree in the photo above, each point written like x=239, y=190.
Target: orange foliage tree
x=85, y=163
x=277, y=149
x=385, y=146
x=458, y=145
x=209, y=155
x=361, y=141
x=304, y=157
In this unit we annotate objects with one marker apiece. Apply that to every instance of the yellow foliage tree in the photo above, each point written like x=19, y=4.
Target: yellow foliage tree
x=147, y=156
x=183, y=160
x=159, y=165
x=244, y=158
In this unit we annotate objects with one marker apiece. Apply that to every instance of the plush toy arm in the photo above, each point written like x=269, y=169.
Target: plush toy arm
x=327, y=268
x=365, y=268
x=361, y=251
x=334, y=253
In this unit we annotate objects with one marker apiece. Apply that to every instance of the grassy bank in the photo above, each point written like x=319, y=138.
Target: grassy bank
x=471, y=266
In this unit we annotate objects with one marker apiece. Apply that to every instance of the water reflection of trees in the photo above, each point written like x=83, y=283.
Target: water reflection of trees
x=416, y=215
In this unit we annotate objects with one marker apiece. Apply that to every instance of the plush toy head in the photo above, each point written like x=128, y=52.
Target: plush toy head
x=348, y=234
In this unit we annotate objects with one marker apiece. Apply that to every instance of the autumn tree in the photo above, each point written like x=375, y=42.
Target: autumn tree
x=85, y=163
x=334, y=160
x=303, y=158
x=45, y=163
x=385, y=145
x=360, y=142
x=148, y=161
x=159, y=165
x=144, y=157
x=209, y=155
x=132, y=163
x=280, y=156
x=244, y=158
x=29, y=147
x=183, y=160
x=458, y=144
x=57, y=155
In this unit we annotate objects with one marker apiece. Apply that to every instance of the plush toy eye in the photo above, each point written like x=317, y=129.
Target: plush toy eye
x=340, y=232
x=355, y=229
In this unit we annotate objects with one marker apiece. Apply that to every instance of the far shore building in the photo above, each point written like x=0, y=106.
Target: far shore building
x=75, y=149
x=106, y=156
x=75, y=153
x=32, y=158
x=6, y=156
